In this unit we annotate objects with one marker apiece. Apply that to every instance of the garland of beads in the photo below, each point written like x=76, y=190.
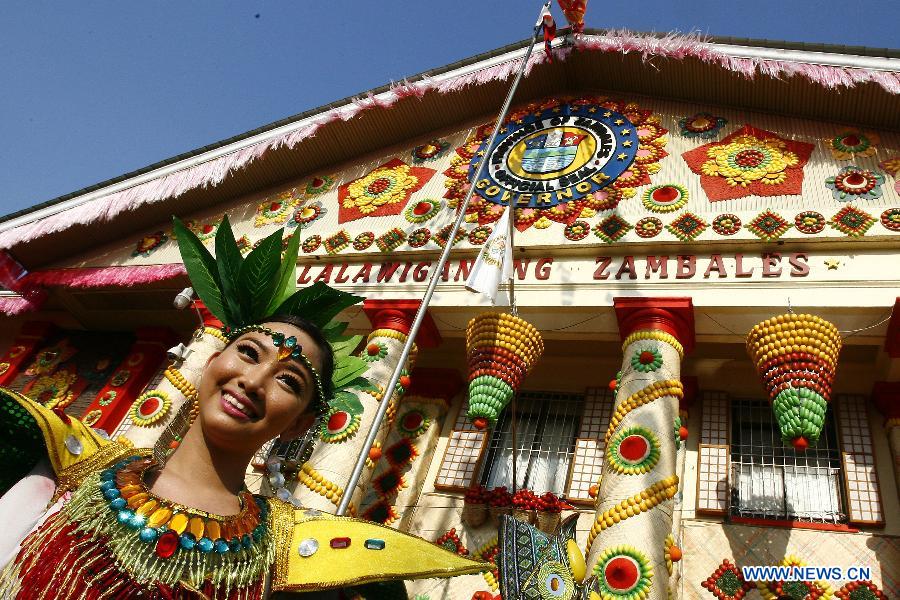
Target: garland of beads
x=890, y=219
x=317, y=482
x=641, y=502
x=727, y=224
x=809, y=222
x=187, y=390
x=419, y=237
x=654, y=391
x=648, y=227
x=661, y=336
x=216, y=333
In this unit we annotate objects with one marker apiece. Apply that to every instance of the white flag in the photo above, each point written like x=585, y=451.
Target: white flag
x=494, y=263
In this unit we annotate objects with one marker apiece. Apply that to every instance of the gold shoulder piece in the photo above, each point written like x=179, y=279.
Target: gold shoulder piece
x=320, y=551
x=74, y=449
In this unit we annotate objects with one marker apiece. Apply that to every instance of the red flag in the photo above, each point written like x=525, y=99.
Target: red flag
x=549, y=26
x=574, y=11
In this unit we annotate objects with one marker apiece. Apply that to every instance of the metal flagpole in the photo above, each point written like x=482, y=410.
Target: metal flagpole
x=432, y=283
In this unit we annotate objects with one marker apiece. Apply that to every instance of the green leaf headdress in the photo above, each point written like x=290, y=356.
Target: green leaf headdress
x=241, y=291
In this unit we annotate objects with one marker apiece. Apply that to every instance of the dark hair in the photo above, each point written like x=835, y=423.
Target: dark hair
x=325, y=351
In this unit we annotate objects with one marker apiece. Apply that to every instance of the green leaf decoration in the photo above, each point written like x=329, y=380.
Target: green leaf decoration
x=346, y=345
x=287, y=275
x=362, y=384
x=347, y=401
x=347, y=370
x=201, y=269
x=318, y=303
x=334, y=330
x=229, y=260
x=259, y=276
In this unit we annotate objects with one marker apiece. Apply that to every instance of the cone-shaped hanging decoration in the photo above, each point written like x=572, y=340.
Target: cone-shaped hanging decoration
x=796, y=357
x=501, y=351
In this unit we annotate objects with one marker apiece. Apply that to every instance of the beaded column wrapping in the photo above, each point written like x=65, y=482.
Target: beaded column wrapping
x=674, y=542
x=323, y=476
x=627, y=544
x=401, y=466
x=179, y=385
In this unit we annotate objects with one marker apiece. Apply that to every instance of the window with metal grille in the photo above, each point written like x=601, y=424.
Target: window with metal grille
x=771, y=480
x=546, y=427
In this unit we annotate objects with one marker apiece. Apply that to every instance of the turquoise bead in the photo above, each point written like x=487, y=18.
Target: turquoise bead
x=205, y=544
x=148, y=535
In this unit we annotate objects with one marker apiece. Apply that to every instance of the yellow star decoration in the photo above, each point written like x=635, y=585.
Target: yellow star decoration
x=622, y=156
x=626, y=131
x=832, y=264
x=607, y=114
x=619, y=122
x=380, y=187
x=592, y=109
x=627, y=143
x=769, y=161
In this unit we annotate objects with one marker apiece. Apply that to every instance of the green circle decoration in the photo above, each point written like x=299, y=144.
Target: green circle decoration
x=623, y=573
x=555, y=581
x=646, y=360
x=374, y=351
x=422, y=210
x=665, y=198
x=633, y=451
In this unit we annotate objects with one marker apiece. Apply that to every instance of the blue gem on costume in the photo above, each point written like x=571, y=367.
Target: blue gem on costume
x=290, y=342
x=111, y=494
x=137, y=521
x=107, y=485
x=221, y=546
x=375, y=544
x=188, y=541
x=107, y=475
x=125, y=516
x=118, y=504
x=235, y=544
x=246, y=541
x=205, y=545
x=148, y=535
x=258, y=533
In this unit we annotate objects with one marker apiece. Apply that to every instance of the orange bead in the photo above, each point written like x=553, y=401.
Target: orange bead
x=160, y=517
x=178, y=523
x=195, y=526
x=147, y=508
x=213, y=531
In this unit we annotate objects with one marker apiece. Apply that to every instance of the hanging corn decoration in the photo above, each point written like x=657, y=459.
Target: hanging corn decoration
x=796, y=356
x=501, y=350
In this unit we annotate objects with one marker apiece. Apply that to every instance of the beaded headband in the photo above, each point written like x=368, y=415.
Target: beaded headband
x=243, y=290
x=288, y=348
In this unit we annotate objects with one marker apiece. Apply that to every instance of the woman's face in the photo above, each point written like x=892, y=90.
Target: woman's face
x=247, y=396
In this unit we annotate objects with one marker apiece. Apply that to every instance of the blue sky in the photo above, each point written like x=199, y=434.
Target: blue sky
x=93, y=89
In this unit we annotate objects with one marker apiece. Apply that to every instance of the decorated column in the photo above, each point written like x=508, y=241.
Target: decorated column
x=401, y=465
x=630, y=540
x=322, y=478
x=680, y=435
x=124, y=385
x=886, y=396
x=161, y=414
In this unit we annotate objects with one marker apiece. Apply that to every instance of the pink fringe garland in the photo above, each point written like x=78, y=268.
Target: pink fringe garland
x=93, y=277
x=214, y=171
x=12, y=306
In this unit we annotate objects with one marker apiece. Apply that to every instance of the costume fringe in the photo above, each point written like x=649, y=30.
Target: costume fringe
x=91, y=277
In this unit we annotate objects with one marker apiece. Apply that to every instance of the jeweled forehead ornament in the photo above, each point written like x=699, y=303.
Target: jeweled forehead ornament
x=287, y=347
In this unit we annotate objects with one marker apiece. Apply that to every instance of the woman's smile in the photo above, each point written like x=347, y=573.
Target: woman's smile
x=238, y=406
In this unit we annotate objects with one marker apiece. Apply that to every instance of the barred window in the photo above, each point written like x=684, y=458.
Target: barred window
x=546, y=427
x=771, y=480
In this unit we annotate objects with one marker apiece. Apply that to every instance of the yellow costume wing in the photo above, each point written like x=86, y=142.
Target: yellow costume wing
x=317, y=551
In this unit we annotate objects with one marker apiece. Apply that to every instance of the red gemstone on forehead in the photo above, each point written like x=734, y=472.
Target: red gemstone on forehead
x=633, y=448
x=851, y=140
x=621, y=573
x=666, y=194
x=149, y=406
x=167, y=544
x=338, y=420
x=412, y=421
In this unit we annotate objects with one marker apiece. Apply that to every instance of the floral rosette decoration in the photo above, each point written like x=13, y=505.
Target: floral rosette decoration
x=421, y=211
x=430, y=150
x=726, y=224
x=203, y=231
x=374, y=351
x=768, y=226
x=551, y=143
x=148, y=244
x=501, y=350
x=382, y=191
x=276, y=209
x=646, y=360
x=318, y=185
x=853, y=183
x=577, y=230
x=852, y=143
x=665, y=198
x=648, y=227
x=149, y=408
x=809, y=222
x=890, y=219
x=413, y=423
x=311, y=244
x=623, y=572
x=702, y=126
x=852, y=221
x=892, y=166
x=479, y=235
x=419, y=237
x=307, y=214
x=337, y=242
x=796, y=357
x=363, y=241
x=750, y=161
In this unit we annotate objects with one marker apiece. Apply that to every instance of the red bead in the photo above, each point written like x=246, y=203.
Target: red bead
x=340, y=543
x=167, y=544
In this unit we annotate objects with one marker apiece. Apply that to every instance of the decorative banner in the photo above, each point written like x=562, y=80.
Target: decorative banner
x=381, y=192
x=553, y=158
x=494, y=263
x=750, y=162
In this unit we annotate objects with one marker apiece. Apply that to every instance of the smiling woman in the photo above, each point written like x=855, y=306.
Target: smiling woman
x=104, y=518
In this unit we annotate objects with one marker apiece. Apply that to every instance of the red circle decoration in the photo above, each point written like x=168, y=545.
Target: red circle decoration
x=648, y=227
x=338, y=421
x=622, y=574
x=421, y=208
x=665, y=193
x=413, y=420
x=890, y=219
x=809, y=222
x=749, y=158
x=634, y=448
x=851, y=140
x=727, y=224
x=646, y=357
x=149, y=406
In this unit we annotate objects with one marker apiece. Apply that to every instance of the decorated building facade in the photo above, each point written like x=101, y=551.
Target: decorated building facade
x=670, y=194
